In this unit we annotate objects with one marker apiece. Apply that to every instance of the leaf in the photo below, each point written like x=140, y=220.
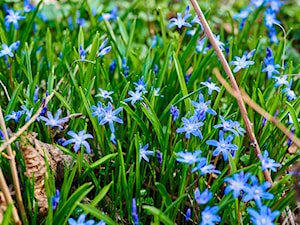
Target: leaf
x=98, y=214
x=182, y=82
x=101, y=194
x=156, y=212
x=163, y=192
x=294, y=117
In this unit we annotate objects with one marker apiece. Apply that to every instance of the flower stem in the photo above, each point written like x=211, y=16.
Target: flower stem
x=215, y=163
x=10, y=76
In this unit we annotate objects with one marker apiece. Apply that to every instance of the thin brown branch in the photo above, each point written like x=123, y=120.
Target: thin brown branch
x=7, y=196
x=234, y=85
x=13, y=167
x=258, y=109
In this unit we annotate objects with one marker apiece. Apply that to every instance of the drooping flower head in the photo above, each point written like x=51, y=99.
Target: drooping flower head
x=109, y=16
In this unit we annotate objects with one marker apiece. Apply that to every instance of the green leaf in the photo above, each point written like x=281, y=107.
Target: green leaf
x=163, y=192
x=182, y=82
x=156, y=212
x=294, y=117
x=98, y=214
x=7, y=215
x=101, y=194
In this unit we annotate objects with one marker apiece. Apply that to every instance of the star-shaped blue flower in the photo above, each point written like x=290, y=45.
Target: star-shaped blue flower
x=204, y=168
x=98, y=111
x=256, y=192
x=270, y=67
x=267, y=163
x=14, y=116
x=237, y=183
x=191, y=126
x=109, y=16
x=179, y=21
x=105, y=94
x=9, y=51
x=223, y=145
x=13, y=17
x=135, y=96
x=54, y=121
x=208, y=216
x=241, y=63
x=78, y=140
x=189, y=157
x=141, y=85
x=144, y=152
x=110, y=116
x=202, y=107
x=202, y=198
x=270, y=18
x=280, y=81
x=211, y=87
x=264, y=217
x=80, y=221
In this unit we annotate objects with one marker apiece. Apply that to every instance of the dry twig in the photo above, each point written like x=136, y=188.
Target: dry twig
x=234, y=85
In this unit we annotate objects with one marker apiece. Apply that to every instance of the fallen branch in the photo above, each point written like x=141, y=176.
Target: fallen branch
x=234, y=85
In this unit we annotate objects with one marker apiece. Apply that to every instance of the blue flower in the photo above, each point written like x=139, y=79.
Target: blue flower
x=156, y=90
x=104, y=50
x=174, y=112
x=113, y=138
x=154, y=41
x=159, y=156
x=191, y=32
x=80, y=221
x=179, y=21
x=134, y=212
x=208, y=216
x=211, y=87
x=70, y=22
x=204, y=168
x=202, y=107
x=290, y=94
x=81, y=53
x=200, y=46
x=264, y=217
x=36, y=94
x=188, y=157
x=135, y=96
x=104, y=94
x=243, y=13
x=9, y=51
x=237, y=183
x=54, y=121
x=27, y=112
x=78, y=140
x=280, y=81
x=1, y=135
x=256, y=192
x=191, y=126
x=202, y=198
x=267, y=163
x=220, y=43
x=55, y=199
x=188, y=214
x=112, y=66
x=276, y=4
x=94, y=12
x=222, y=145
x=28, y=6
x=270, y=18
x=241, y=63
x=124, y=63
x=109, y=16
x=155, y=69
x=110, y=116
x=13, y=17
x=270, y=67
x=144, y=152
x=257, y=3
x=197, y=20
x=272, y=36
x=80, y=21
x=14, y=116
x=141, y=85
x=98, y=111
